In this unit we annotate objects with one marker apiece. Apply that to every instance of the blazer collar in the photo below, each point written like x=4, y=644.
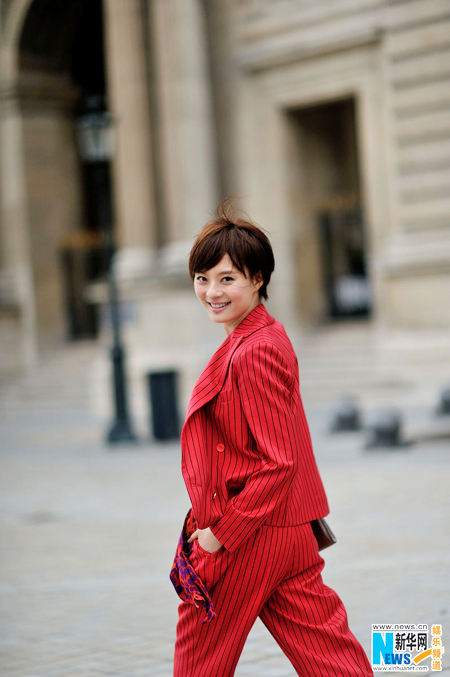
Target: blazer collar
x=256, y=319
x=213, y=376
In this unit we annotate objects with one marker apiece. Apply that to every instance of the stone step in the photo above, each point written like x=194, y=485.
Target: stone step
x=335, y=361
x=60, y=381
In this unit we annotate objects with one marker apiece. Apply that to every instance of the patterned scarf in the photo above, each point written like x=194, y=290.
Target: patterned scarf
x=188, y=585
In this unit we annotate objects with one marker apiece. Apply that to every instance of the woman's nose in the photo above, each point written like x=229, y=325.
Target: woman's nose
x=214, y=291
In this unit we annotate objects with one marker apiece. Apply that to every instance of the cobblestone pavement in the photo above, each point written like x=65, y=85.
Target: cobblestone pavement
x=89, y=533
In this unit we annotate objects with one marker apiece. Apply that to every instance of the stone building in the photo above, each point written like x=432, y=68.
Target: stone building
x=330, y=119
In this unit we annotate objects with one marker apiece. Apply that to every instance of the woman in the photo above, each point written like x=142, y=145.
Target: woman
x=247, y=548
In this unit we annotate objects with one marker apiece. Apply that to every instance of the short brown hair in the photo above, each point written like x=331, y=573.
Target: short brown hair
x=245, y=243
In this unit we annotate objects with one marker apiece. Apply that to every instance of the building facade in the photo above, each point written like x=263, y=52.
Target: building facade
x=330, y=120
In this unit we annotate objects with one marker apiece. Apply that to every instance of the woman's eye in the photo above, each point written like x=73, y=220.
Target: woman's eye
x=200, y=278
x=227, y=279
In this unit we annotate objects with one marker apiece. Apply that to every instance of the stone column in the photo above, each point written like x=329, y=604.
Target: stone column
x=126, y=67
x=185, y=115
x=15, y=239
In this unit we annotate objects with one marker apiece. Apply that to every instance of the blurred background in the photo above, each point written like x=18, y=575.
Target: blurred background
x=123, y=123
x=330, y=120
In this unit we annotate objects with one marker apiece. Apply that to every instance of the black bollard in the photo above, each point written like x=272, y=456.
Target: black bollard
x=164, y=405
x=384, y=429
x=346, y=416
x=443, y=408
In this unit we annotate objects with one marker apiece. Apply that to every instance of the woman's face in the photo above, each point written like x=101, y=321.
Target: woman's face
x=227, y=294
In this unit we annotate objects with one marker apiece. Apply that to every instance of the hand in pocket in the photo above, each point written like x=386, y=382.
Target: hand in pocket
x=206, y=540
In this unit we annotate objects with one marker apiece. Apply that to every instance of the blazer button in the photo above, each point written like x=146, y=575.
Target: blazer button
x=214, y=495
x=220, y=447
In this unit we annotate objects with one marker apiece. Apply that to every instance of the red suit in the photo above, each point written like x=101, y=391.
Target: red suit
x=250, y=471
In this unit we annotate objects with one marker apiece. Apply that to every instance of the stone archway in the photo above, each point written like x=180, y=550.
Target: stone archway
x=43, y=78
x=61, y=64
x=37, y=98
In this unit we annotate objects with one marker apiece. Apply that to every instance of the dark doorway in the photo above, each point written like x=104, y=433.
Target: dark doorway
x=331, y=205
x=89, y=262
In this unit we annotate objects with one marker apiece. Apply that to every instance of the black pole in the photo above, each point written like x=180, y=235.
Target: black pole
x=121, y=429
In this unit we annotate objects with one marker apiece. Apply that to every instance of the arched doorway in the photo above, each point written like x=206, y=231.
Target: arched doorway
x=61, y=66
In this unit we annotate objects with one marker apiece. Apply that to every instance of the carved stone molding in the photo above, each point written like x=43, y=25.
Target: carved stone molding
x=41, y=90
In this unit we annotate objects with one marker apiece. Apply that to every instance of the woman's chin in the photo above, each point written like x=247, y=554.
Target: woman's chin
x=219, y=315
x=218, y=318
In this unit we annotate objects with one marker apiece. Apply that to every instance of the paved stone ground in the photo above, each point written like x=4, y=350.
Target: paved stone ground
x=89, y=533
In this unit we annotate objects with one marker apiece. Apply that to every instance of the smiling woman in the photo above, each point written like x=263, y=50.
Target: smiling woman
x=247, y=547
x=231, y=263
x=227, y=294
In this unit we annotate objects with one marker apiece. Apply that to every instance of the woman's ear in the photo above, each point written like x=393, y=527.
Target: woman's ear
x=258, y=280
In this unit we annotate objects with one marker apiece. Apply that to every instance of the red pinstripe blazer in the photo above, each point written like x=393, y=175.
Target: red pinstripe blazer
x=247, y=457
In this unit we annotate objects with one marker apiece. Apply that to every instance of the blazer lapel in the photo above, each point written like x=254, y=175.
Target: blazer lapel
x=213, y=376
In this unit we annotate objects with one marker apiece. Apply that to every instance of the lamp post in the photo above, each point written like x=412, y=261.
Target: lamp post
x=96, y=142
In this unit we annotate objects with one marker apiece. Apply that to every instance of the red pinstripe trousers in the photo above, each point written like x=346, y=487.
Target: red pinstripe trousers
x=276, y=575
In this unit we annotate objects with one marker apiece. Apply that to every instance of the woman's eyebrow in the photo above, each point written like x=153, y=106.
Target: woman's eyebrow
x=221, y=272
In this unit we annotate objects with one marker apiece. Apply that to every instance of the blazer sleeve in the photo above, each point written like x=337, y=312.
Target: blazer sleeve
x=265, y=385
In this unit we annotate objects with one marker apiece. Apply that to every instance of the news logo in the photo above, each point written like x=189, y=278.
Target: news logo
x=406, y=647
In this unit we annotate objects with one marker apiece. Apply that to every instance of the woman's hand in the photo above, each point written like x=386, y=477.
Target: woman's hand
x=206, y=539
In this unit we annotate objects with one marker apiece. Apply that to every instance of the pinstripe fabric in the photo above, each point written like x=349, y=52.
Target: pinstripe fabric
x=276, y=575
x=249, y=468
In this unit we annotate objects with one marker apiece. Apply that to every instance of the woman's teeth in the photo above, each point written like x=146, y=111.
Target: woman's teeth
x=219, y=305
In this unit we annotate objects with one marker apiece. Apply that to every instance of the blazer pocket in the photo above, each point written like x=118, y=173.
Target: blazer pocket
x=224, y=395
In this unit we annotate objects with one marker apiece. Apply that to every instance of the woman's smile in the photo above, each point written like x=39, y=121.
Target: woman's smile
x=217, y=307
